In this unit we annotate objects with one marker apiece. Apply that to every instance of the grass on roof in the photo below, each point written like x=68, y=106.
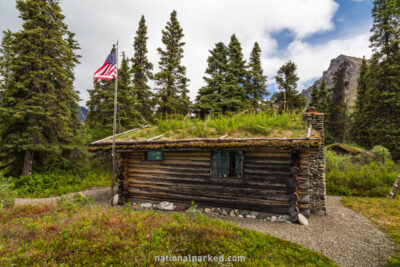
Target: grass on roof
x=243, y=125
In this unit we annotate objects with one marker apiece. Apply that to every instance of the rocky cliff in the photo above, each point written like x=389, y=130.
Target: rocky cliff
x=353, y=71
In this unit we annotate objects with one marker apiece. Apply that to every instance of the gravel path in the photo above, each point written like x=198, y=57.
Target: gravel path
x=343, y=235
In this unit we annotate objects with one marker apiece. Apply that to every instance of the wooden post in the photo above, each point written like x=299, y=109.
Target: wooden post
x=114, y=122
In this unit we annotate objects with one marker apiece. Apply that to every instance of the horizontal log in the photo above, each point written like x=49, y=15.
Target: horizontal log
x=182, y=162
x=166, y=167
x=225, y=182
x=178, y=176
x=266, y=193
x=267, y=173
x=211, y=197
x=269, y=160
x=172, y=169
x=232, y=193
x=267, y=167
x=267, y=154
x=198, y=153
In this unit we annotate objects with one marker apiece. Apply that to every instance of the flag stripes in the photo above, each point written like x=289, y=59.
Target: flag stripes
x=109, y=69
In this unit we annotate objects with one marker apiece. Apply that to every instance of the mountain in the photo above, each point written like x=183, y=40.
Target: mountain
x=82, y=113
x=352, y=73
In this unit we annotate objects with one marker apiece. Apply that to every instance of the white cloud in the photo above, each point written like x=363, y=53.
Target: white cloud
x=99, y=23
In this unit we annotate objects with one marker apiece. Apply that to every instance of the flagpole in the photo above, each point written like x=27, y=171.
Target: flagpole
x=114, y=124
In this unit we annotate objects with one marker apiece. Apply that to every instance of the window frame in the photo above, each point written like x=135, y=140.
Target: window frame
x=230, y=159
x=153, y=160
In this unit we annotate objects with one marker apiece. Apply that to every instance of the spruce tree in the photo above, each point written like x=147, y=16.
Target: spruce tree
x=128, y=108
x=314, y=97
x=101, y=109
x=210, y=97
x=38, y=110
x=236, y=62
x=142, y=73
x=361, y=118
x=324, y=99
x=286, y=80
x=323, y=107
x=337, y=107
x=384, y=106
x=234, y=97
x=171, y=80
x=256, y=87
x=6, y=56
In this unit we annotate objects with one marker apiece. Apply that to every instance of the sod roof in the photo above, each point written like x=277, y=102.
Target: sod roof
x=241, y=129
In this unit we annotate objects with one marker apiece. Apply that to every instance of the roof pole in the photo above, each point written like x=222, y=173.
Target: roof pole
x=114, y=124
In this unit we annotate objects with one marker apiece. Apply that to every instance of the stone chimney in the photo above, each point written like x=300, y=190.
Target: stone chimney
x=317, y=184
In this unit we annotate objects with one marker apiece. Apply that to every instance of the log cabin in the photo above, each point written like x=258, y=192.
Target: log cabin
x=277, y=176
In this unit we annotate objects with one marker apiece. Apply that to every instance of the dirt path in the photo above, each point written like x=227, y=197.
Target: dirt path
x=101, y=196
x=343, y=235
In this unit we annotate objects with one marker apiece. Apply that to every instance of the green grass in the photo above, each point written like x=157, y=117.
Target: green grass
x=53, y=183
x=383, y=212
x=82, y=236
x=354, y=176
x=265, y=124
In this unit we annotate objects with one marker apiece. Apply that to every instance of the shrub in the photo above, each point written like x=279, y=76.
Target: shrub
x=381, y=153
x=57, y=182
x=349, y=176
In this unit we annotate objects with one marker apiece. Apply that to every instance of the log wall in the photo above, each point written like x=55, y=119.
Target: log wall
x=269, y=183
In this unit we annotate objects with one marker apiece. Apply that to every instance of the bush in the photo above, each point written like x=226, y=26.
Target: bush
x=349, y=176
x=57, y=182
x=6, y=198
x=381, y=153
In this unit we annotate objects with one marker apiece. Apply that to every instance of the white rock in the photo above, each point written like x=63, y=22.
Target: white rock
x=251, y=216
x=165, y=205
x=302, y=219
x=115, y=200
x=145, y=205
x=273, y=218
x=207, y=210
x=240, y=216
x=232, y=213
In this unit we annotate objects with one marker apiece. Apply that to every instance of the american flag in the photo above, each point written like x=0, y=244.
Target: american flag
x=109, y=69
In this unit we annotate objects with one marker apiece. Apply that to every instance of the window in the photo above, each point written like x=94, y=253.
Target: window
x=227, y=164
x=154, y=155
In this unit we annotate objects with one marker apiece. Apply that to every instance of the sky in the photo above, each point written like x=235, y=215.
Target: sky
x=308, y=32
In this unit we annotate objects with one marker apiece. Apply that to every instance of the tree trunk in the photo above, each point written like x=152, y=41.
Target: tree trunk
x=284, y=100
x=28, y=160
